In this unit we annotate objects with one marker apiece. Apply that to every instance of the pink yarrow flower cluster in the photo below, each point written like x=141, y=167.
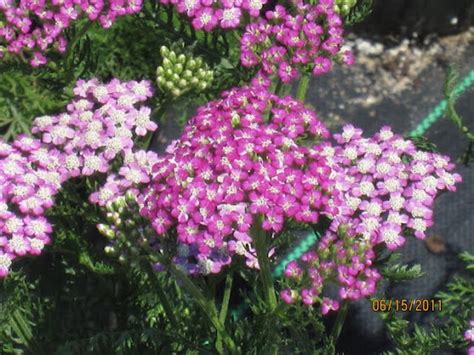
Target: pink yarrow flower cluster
x=134, y=174
x=209, y=14
x=33, y=27
x=238, y=158
x=99, y=125
x=388, y=188
x=28, y=182
x=283, y=44
x=339, y=258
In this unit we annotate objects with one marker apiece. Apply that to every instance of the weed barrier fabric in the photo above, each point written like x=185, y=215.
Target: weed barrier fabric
x=363, y=333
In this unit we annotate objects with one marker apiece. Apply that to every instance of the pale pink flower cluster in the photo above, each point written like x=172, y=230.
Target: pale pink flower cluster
x=98, y=127
x=387, y=189
x=28, y=181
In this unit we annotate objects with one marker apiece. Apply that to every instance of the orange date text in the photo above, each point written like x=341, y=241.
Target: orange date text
x=406, y=305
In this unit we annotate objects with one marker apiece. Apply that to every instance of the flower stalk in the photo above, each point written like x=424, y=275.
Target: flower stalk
x=302, y=87
x=261, y=246
x=208, y=307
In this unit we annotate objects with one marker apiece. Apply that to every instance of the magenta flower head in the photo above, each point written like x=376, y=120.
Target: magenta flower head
x=239, y=158
x=284, y=44
x=225, y=14
x=20, y=35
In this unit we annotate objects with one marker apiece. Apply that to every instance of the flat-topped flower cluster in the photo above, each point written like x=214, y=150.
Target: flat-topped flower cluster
x=387, y=189
x=33, y=27
x=238, y=158
x=98, y=127
x=285, y=44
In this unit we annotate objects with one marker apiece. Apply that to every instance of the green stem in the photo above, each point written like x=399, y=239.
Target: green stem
x=340, y=319
x=161, y=295
x=302, y=87
x=208, y=307
x=261, y=246
x=226, y=297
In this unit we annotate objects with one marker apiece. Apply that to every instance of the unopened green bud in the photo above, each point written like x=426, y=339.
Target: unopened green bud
x=182, y=84
x=202, y=86
x=235, y=120
x=110, y=217
x=161, y=81
x=168, y=85
x=110, y=250
x=123, y=259
x=191, y=64
x=172, y=56
x=198, y=62
x=102, y=228
x=194, y=81
x=130, y=196
x=178, y=68
x=201, y=73
x=160, y=70
x=181, y=59
x=106, y=231
x=167, y=63
x=176, y=92
x=118, y=222
x=109, y=207
x=187, y=74
x=175, y=78
x=119, y=203
x=164, y=51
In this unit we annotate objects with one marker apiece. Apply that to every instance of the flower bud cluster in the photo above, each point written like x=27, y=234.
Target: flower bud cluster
x=125, y=229
x=98, y=126
x=180, y=73
x=285, y=44
x=388, y=188
x=343, y=7
x=208, y=14
x=238, y=158
x=33, y=27
x=340, y=257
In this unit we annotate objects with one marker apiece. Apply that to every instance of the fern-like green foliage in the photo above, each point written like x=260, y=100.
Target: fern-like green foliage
x=399, y=272
x=359, y=12
x=422, y=143
x=452, y=321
